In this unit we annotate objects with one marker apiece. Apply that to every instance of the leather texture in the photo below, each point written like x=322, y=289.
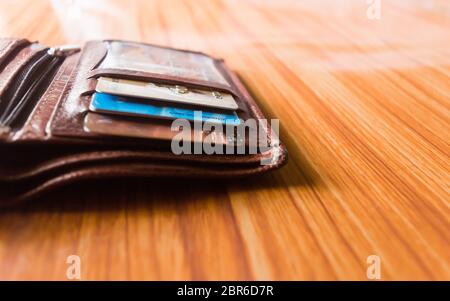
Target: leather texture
x=51, y=148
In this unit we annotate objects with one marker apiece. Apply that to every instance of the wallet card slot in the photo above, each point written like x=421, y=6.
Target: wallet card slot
x=159, y=64
x=159, y=79
x=28, y=85
x=22, y=110
x=20, y=84
x=16, y=65
x=9, y=48
x=34, y=127
x=67, y=118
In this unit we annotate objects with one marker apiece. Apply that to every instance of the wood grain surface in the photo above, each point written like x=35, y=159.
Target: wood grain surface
x=364, y=110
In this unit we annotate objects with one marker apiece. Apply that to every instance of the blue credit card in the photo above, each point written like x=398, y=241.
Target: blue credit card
x=103, y=102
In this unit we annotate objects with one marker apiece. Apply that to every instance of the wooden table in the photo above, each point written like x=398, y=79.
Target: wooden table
x=364, y=110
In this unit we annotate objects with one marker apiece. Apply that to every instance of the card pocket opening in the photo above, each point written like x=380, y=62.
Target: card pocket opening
x=158, y=78
x=19, y=84
x=10, y=51
x=29, y=84
x=16, y=63
x=160, y=64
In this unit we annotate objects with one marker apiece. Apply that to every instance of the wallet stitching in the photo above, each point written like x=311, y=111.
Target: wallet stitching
x=67, y=91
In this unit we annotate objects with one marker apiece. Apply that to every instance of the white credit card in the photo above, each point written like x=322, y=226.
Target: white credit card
x=169, y=93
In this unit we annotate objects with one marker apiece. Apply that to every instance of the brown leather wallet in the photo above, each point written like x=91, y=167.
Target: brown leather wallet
x=45, y=95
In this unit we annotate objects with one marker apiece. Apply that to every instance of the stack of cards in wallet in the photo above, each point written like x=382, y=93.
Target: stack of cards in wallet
x=121, y=105
x=138, y=109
